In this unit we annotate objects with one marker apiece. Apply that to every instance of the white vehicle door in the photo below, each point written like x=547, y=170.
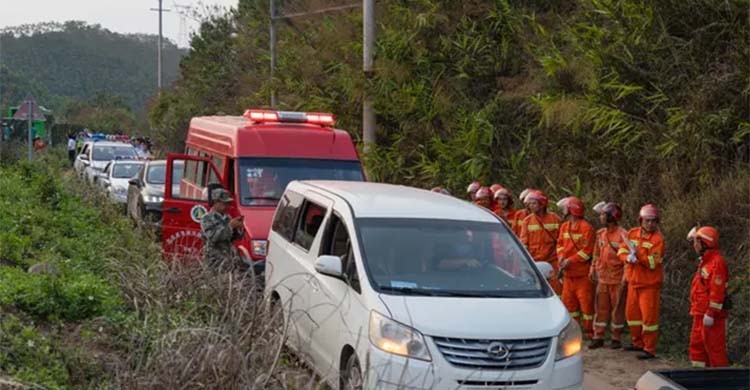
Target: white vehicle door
x=303, y=251
x=337, y=312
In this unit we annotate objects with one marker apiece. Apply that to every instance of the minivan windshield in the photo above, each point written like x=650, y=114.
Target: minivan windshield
x=106, y=153
x=125, y=170
x=263, y=180
x=406, y=256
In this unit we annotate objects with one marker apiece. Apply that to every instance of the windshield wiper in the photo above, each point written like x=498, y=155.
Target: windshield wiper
x=414, y=291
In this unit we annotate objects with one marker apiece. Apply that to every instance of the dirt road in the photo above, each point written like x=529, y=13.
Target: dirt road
x=606, y=369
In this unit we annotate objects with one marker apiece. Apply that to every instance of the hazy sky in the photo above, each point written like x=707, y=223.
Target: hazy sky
x=126, y=16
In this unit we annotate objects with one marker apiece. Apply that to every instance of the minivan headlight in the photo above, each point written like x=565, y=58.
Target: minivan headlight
x=396, y=338
x=569, y=341
x=153, y=199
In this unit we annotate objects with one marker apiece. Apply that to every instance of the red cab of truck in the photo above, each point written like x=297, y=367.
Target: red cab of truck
x=253, y=156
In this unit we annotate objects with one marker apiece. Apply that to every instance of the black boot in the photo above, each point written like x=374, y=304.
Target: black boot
x=597, y=343
x=616, y=344
x=646, y=356
x=632, y=347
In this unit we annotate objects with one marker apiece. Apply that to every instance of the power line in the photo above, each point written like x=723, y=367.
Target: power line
x=160, y=47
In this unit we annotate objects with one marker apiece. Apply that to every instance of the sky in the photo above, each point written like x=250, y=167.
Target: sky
x=124, y=16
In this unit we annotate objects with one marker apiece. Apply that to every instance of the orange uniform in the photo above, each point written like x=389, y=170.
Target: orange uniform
x=708, y=345
x=610, y=291
x=539, y=235
x=576, y=245
x=518, y=217
x=644, y=284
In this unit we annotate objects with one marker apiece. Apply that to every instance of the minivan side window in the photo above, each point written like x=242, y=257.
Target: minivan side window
x=308, y=224
x=336, y=242
x=283, y=223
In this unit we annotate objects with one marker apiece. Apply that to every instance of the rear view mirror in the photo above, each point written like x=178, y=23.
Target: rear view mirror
x=329, y=265
x=545, y=268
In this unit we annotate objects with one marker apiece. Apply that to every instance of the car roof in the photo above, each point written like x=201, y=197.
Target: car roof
x=380, y=200
x=109, y=143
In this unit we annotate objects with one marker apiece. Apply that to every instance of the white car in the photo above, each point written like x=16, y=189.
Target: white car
x=96, y=154
x=391, y=287
x=115, y=177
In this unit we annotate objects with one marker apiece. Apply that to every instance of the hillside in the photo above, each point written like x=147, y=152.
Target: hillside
x=76, y=61
x=603, y=99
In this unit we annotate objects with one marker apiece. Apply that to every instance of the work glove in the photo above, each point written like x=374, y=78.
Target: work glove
x=708, y=321
x=632, y=259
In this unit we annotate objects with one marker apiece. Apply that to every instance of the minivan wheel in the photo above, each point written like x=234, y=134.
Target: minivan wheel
x=351, y=377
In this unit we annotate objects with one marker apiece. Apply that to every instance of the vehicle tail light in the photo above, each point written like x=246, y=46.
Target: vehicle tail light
x=259, y=247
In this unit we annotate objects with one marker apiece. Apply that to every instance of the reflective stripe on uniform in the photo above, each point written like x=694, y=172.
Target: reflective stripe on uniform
x=635, y=323
x=551, y=226
x=698, y=364
x=600, y=324
x=566, y=235
x=651, y=328
x=635, y=242
x=647, y=245
x=651, y=262
x=620, y=326
x=588, y=317
x=622, y=251
x=533, y=228
x=715, y=305
x=575, y=314
x=577, y=236
x=583, y=255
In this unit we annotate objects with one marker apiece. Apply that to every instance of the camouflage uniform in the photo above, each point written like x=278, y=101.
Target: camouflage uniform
x=217, y=236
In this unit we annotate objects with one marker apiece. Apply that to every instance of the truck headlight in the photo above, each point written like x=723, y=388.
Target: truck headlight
x=260, y=247
x=396, y=338
x=120, y=191
x=153, y=199
x=569, y=341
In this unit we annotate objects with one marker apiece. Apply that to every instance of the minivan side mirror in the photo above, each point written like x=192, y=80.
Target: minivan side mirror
x=83, y=157
x=329, y=265
x=545, y=268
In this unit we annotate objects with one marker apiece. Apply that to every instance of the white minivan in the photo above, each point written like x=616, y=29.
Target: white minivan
x=392, y=287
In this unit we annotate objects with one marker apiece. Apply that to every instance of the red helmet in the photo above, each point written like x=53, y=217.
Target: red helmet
x=708, y=235
x=613, y=211
x=538, y=196
x=482, y=193
x=523, y=194
x=648, y=211
x=495, y=187
x=573, y=205
x=440, y=190
x=473, y=187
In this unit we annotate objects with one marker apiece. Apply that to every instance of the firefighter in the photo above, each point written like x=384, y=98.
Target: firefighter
x=575, y=249
x=708, y=344
x=521, y=213
x=539, y=231
x=608, y=271
x=643, y=250
x=472, y=189
x=493, y=188
x=483, y=198
x=504, y=206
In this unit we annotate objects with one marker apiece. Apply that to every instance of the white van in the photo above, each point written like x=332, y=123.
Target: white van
x=391, y=287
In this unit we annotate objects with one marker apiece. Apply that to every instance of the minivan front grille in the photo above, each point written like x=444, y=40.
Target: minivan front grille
x=494, y=354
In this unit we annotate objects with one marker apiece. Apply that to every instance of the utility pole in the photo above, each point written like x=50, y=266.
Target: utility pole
x=30, y=128
x=368, y=111
x=158, y=52
x=272, y=39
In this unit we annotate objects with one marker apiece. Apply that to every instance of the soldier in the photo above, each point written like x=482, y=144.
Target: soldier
x=218, y=232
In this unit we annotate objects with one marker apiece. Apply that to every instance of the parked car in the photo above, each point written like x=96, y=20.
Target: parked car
x=695, y=379
x=114, y=180
x=146, y=193
x=386, y=287
x=95, y=155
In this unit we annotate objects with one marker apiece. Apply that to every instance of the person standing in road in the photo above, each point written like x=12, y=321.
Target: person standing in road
x=708, y=342
x=539, y=232
x=608, y=271
x=521, y=213
x=504, y=207
x=71, y=148
x=575, y=248
x=218, y=231
x=643, y=250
